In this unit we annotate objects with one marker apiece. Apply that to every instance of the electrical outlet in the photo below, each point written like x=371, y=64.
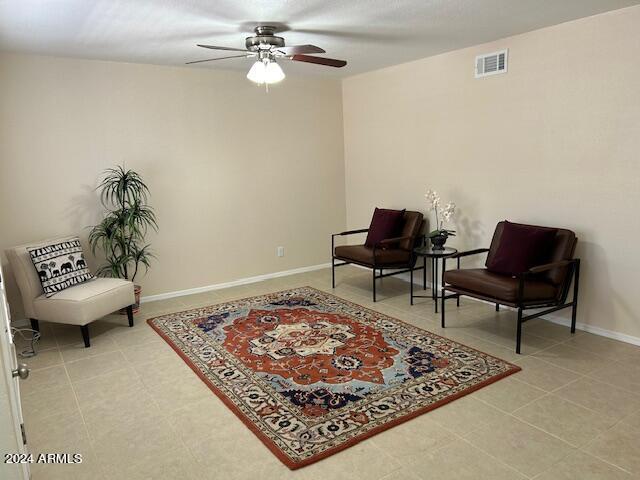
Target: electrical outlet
x=280, y=251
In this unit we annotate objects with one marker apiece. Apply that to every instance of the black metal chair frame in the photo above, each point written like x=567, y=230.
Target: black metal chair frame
x=389, y=241
x=520, y=304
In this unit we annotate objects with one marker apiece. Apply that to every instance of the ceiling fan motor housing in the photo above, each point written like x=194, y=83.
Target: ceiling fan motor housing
x=264, y=39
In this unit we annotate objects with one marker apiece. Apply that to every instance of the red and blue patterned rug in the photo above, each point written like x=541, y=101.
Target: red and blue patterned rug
x=312, y=374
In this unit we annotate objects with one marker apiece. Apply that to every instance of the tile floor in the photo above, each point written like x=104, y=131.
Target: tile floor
x=132, y=407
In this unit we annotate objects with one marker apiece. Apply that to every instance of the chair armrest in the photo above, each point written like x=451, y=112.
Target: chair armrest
x=351, y=232
x=389, y=241
x=469, y=253
x=549, y=266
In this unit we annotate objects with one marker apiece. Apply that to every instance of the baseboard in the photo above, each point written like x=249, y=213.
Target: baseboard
x=553, y=318
x=234, y=283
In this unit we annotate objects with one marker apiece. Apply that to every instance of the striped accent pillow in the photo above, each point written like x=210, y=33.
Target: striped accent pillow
x=60, y=265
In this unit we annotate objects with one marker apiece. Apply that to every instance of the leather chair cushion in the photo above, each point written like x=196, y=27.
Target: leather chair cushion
x=413, y=224
x=563, y=249
x=385, y=224
x=501, y=287
x=364, y=255
x=521, y=247
x=84, y=303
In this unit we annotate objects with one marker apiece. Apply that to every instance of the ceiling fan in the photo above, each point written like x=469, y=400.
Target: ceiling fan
x=267, y=48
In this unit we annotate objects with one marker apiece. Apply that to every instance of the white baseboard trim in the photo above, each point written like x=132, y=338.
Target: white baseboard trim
x=557, y=319
x=233, y=283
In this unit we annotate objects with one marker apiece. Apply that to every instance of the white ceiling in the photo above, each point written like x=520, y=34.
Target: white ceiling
x=369, y=34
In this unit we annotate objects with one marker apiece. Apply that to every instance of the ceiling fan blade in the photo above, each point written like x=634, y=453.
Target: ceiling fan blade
x=219, y=58
x=330, y=62
x=297, y=49
x=213, y=47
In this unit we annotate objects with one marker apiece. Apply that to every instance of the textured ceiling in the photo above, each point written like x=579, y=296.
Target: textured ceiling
x=369, y=34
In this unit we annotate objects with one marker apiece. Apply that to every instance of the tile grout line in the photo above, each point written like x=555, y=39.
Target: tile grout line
x=464, y=439
x=574, y=447
x=84, y=422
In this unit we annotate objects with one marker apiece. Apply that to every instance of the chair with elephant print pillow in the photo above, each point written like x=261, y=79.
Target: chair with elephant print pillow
x=57, y=286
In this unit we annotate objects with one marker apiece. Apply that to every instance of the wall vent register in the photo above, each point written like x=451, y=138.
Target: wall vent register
x=491, y=63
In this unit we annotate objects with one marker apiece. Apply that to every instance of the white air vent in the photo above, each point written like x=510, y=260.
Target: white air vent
x=491, y=63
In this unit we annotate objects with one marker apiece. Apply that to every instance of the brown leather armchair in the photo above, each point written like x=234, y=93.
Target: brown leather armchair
x=545, y=286
x=392, y=253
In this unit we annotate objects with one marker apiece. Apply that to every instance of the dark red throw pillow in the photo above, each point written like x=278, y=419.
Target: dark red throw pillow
x=521, y=247
x=384, y=224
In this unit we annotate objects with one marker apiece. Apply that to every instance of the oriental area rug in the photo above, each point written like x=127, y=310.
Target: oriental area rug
x=312, y=374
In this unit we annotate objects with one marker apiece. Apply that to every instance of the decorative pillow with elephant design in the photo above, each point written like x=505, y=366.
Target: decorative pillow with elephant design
x=60, y=265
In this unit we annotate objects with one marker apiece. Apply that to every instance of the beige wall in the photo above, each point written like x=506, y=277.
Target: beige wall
x=234, y=172
x=555, y=141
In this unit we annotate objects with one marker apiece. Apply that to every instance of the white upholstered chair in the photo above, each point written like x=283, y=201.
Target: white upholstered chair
x=77, y=305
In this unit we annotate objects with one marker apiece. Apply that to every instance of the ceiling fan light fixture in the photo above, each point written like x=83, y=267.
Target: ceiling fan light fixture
x=273, y=73
x=257, y=72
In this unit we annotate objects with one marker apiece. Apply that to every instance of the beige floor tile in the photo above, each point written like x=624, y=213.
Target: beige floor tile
x=580, y=361
x=44, y=379
x=546, y=329
x=109, y=385
x=570, y=422
x=226, y=452
x=618, y=445
x=121, y=413
x=44, y=359
x=147, y=415
x=505, y=353
x=47, y=339
x=410, y=441
x=606, y=347
x=94, y=366
x=134, y=337
x=66, y=334
x=163, y=370
x=402, y=474
x=161, y=306
x=521, y=446
x=530, y=344
x=195, y=422
x=462, y=461
x=52, y=401
x=99, y=344
x=633, y=420
x=179, y=392
x=582, y=466
x=200, y=299
x=625, y=374
x=89, y=469
x=60, y=432
x=231, y=293
x=149, y=352
x=364, y=461
x=465, y=415
x=543, y=374
x=601, y=397
x=130, y=445
x=175, y=464
x=508, y=394
x=114, y=322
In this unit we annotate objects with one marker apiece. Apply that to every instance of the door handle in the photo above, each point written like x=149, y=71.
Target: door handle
x=22, y=371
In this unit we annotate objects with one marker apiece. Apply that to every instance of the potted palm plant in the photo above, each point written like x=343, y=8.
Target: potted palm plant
x=121, y=234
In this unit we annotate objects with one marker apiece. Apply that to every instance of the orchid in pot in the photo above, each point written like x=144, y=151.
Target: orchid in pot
x=443, y=215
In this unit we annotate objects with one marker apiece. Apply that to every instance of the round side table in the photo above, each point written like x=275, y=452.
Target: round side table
x=435, y=255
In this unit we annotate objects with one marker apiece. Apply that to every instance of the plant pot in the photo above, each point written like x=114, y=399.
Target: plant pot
x=137, y=289
x=438, y=241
